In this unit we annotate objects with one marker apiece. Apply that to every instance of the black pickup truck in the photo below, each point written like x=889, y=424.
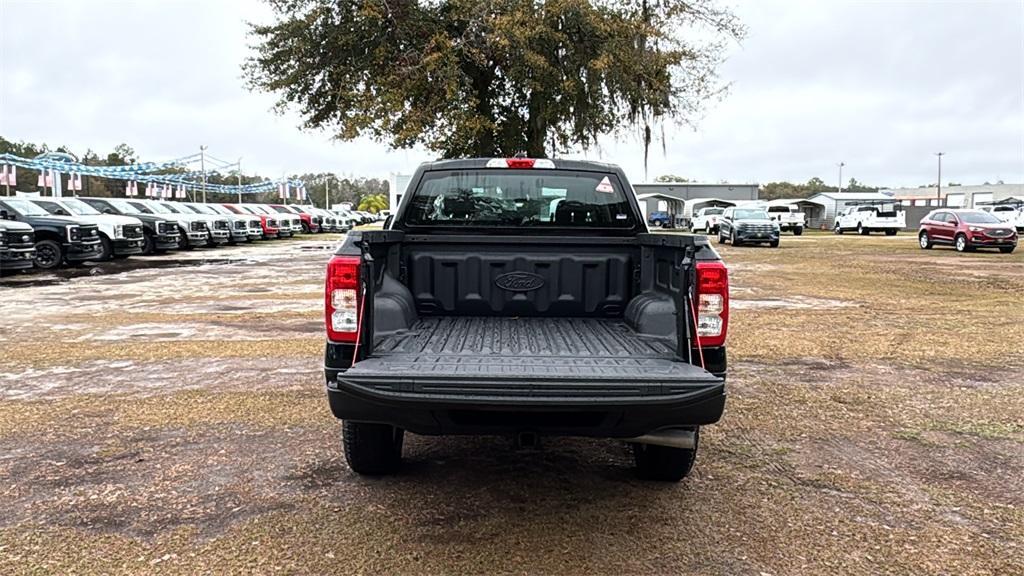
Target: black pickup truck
x=525, y=297
x=58, y=239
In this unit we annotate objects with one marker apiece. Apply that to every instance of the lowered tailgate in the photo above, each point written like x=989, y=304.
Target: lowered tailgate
x=527, y=360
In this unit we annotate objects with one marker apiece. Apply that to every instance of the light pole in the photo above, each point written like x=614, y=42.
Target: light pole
x=202, y=166
x=239, y=180
x=841, y=164
x=938, y=185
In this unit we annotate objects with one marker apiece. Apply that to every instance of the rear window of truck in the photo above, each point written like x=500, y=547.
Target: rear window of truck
x=505, y=198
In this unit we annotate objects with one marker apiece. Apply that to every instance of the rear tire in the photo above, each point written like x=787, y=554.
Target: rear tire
x=663, y=463
x=890, y=232
x=798, y=231
x=924, y=241
x=372, y=449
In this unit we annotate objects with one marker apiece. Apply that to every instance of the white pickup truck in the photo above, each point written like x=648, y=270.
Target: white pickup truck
x=706, y=220
x=789, y=217
x=875, y=217
x=1013, y=215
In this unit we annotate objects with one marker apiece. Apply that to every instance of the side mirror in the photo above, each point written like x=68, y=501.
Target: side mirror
x=109, y=210
x=61, y=212
x=4, y=215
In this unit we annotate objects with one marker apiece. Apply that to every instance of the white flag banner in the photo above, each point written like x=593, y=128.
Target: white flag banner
x=48, y=182
x=42, y=180
x=3, y=175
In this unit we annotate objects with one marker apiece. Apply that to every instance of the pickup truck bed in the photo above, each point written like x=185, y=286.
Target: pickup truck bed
x=526, y=357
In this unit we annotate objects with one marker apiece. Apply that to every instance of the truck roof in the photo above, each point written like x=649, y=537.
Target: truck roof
x=470, y=163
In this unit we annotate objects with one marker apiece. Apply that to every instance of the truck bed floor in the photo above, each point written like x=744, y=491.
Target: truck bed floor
x=538, y=349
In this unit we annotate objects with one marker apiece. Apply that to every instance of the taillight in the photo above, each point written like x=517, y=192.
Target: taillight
x=712, y=303
x=341, y=298
x=520, y=163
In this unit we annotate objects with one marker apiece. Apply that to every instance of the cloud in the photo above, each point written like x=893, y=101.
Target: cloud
x=879, y=86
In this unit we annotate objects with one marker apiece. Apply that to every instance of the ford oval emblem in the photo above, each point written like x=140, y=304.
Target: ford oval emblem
x=519, y=281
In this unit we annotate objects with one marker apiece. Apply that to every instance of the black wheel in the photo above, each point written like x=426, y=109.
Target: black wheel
x=924, y=241
x=961, y=243
x=862, y=230
x=732, y=238
x=798, y=231
x=148, y=244
x=721, y=237
x=1006, y=249
x=372, y=449
x=106, y=248
x=305, y=228
x=49, y=254
x=664, y=463
x=837, y=229
x=774, y=243
x=890, y=231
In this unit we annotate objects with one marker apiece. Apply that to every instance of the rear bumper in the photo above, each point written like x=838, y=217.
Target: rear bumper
x=610, y=417
x=128, y=246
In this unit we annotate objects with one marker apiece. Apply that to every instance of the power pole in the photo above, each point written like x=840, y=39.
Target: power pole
x=202, y=166
x=841, y=164
x=239, y=180
x=327, y=193
x=938, y=186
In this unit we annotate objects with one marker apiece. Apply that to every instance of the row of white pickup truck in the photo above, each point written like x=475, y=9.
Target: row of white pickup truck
x=887, y=217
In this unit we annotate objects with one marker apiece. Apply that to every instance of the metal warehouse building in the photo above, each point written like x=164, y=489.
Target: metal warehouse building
x=672, y=197
x=821, y=208
x=957, y=196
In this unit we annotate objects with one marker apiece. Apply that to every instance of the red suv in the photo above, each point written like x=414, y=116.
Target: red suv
x=966, y=230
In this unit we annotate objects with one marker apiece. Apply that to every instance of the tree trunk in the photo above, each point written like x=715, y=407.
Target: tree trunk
x=536, y=127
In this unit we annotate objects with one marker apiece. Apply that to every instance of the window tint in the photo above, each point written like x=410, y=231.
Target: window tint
x=517, y=198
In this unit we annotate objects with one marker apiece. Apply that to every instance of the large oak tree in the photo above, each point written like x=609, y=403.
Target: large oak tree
x=492, y=78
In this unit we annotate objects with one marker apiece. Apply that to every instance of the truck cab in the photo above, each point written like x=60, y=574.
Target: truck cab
x=269, y=226
x=706, y=220
x=192, y=231
x=865, y=218
x=58, y=239
x=525, y=297
x=308, y=223
x=120, y=236
x=238, y=226
x=1011, y=213
x=218, y=228
x=17, y=245
x=789, y=217
x=159, y=234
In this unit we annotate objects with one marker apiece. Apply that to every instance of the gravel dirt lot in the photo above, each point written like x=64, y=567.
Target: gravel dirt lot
x=166, y=416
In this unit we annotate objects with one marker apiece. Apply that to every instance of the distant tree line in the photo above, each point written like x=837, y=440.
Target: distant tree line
x=369, y=191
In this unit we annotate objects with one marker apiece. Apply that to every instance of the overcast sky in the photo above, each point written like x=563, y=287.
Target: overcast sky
x=879, y=86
